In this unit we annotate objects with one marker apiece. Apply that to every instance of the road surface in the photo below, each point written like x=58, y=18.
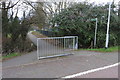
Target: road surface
x=58, y=67
x=105, y=73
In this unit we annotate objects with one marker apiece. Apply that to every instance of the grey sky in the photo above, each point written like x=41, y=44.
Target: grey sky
x=91, y=1
x=96, y=1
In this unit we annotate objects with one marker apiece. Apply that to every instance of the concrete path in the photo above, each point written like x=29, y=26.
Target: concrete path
x=32, y=38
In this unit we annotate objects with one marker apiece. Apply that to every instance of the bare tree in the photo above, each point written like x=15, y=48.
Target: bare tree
x=48, y=9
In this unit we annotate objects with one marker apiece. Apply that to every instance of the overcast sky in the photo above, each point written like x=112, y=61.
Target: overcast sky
x=91, y=1
x=96, y=1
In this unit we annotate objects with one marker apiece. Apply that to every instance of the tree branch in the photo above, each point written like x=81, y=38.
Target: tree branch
x=8, y=7
x=28, y=3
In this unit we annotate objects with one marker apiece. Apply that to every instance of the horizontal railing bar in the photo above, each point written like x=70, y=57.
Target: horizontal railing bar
x=56, y=37
x=65, y=54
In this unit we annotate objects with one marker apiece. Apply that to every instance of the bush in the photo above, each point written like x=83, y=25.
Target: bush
x=76, y=20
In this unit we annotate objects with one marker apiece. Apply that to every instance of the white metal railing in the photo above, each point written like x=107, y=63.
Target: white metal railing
x=56, y=46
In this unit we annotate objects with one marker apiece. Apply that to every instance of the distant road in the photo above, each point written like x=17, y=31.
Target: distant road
x=32, y=38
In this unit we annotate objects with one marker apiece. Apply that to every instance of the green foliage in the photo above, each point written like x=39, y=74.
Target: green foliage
x=10, y=55
x=76, y=20
x=14, y=33
x=111, y=49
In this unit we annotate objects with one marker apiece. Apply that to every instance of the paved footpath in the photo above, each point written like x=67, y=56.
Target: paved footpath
x=27, y=66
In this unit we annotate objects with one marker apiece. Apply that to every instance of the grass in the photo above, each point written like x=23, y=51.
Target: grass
x=10, y=56
x=111, y=49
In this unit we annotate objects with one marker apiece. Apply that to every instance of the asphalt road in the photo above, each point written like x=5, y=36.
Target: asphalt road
x=106, y=73
x=58, y=67
x=28, y=66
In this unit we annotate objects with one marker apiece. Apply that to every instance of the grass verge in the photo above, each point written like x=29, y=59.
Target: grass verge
x=10, y=56
x=111, y=49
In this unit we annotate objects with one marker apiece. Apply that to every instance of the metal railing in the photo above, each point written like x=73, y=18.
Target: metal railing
x=56, y=46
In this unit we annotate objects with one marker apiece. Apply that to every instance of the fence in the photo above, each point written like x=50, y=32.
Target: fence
x=56, y=46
